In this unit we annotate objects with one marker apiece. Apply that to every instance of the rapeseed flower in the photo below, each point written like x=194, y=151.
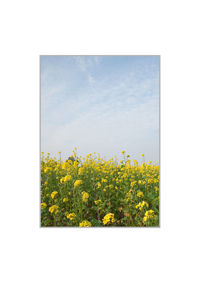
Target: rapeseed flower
x=43, y=205
x=148, y=215
x=80, y=171
x=85, y=223
x=133, y=183
x=108, y=218
x=140, y=205
x=150, y=181
x=140, y=194
x=78, y=183
x=64, y=165
x=98, y=185
x=85, y=196
x=71, y=216
x=53, y=208
x=65, y=179
x=141, y=182
x=54, y=194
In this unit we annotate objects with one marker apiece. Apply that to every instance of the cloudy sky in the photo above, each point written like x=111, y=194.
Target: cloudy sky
x=102, y=104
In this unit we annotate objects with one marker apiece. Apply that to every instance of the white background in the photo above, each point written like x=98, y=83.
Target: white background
x=166, y=254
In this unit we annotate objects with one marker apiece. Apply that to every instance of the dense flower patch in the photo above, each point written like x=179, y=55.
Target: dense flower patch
x=92, y=192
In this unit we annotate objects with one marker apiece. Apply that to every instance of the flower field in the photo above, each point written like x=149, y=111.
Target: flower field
x=92, y=192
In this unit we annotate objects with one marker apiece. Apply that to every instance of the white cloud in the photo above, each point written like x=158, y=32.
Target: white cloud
x=91, y=80
x=86, y=62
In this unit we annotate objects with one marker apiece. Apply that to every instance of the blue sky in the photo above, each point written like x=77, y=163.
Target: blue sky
x=102, y=104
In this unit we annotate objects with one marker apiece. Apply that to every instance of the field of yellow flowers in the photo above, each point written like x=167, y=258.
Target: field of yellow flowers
x=92, y=192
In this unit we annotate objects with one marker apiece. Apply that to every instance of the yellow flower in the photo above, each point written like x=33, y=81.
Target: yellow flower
x=149, y=212
x=65, y=179
x=140, y=194
x=85, y=223
x=65, y=199
x=53, y=194
x=78, y=183
x=108, y=218
x=150, y=181
x=47, y=169
x=98, y=185
x=64, y=165
x=140, y=205
x=71, y=216
x=123, y=151
x=133, y=183
x=142, y=154
x=80, y=171
x=53, y=208
x=148, y=215
x=85, y=196
x=43, y=205
x=145, y=219
x=125, y=175
x=140, y=182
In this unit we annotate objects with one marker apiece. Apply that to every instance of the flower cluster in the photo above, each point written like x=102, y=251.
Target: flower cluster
x=108, y=218
x=148, y=215
x=78, y=183
x=140, y=205
x=66, y=178
x=85, y=223
x=53, y=194
x=140, y=194
x=43, y=205
x=85, y=196
x=53, y=208
x=71, y=216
